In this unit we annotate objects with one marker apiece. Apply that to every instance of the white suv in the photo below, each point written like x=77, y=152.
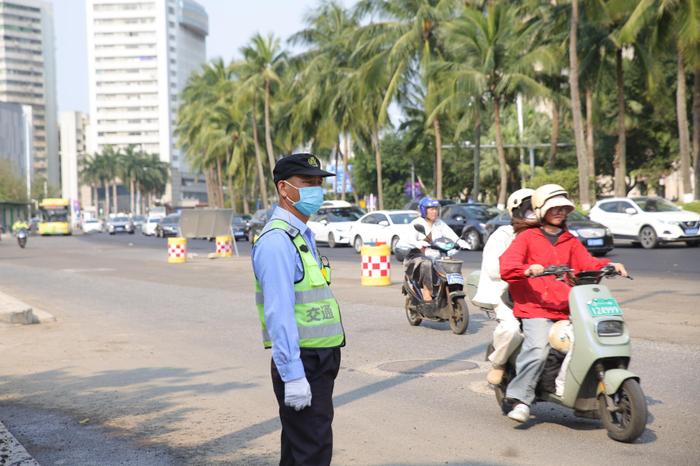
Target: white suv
x=647, y=220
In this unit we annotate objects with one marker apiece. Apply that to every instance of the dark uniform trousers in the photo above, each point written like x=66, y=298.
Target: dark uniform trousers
x=307, y=436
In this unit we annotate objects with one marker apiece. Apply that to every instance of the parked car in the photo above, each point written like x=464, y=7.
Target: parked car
x=468, y=220
x=150, y=225
x=91, y=225
x=138, y=221
x=257, y=223
x=413, y=205
x=168, y=226
x=596, y=237
x=120, y=224
x=239, y=226
x=648, y=221
x=332, y=224
x=385, y=226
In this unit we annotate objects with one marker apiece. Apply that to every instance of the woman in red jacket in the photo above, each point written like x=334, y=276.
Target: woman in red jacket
x=539, y=302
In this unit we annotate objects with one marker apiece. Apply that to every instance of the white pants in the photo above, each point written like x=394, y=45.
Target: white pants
x=506, y=336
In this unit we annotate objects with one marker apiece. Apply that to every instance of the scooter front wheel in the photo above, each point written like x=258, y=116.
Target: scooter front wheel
x=626, y=418
x=459, y=320
x=411, y=315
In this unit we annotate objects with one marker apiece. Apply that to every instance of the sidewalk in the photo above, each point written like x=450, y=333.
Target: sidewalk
x=12, y=452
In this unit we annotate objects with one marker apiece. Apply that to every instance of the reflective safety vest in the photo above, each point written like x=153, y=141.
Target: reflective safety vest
x=316, y=311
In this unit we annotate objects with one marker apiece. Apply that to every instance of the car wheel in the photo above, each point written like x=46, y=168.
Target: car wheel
x=473, y=240
x=331, y=240
x=648, y=238
x=394, y=242
x=357, y=244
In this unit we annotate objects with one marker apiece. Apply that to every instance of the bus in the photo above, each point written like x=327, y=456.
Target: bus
x=55, y=217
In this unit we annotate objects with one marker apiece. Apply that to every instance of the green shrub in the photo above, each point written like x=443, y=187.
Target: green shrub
x=692, y=206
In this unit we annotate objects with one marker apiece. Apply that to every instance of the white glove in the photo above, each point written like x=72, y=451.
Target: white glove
x=463, y=244
x=297, y=394
x=423, y=244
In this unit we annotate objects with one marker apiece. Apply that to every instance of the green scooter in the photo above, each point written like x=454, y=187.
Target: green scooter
x=597, y=382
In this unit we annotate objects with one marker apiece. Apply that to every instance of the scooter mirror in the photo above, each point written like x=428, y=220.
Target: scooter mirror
x=419, y=228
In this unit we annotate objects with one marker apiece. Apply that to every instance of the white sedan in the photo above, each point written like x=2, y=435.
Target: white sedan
x=92, y=225
x=149, y=226
x=385, y=226
x=647, y=220
x=332, y=224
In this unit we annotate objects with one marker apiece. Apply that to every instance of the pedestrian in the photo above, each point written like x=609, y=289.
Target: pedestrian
x=300, y=318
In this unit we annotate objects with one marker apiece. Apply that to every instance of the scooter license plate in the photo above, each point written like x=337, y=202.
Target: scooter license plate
x=455, y=279
x=601, y=307
x=595, y=242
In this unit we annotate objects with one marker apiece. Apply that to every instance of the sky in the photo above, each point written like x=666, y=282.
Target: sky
x=231, y=24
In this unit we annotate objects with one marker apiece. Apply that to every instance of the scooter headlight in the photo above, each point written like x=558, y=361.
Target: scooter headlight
x=610, y=328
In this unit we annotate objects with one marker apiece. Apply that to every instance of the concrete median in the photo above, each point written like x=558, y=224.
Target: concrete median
x=14, y=311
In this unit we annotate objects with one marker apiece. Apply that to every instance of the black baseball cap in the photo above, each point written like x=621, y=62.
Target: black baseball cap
x=298, y=164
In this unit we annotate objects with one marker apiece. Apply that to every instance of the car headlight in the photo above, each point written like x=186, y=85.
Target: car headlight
x=610, y=328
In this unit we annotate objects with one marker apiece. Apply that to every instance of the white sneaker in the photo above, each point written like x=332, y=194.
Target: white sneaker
x=520, y=413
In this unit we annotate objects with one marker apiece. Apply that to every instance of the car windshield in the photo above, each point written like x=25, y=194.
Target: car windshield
x=139, y=218
x=171, y=220
x=120, y=219
x=344, y=215
x=90, y=221
x=238, y=221
x=576, y=217
x=655, y=204
x=403, y=219
x=474, y=211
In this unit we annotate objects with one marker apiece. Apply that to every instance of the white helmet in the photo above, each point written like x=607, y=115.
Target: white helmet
x=548, y=196
x=516, y=199
x=561, y=335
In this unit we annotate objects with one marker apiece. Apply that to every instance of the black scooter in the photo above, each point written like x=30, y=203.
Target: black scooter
x=448, y=302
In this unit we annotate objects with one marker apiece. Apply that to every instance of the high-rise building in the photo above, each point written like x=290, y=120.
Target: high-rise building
x=72, y=139
x=28, y=75
x=16, y=142
x=140, y=56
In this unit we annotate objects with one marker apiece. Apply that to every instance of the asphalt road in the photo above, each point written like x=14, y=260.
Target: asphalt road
x=667, y=260
x=152, y=363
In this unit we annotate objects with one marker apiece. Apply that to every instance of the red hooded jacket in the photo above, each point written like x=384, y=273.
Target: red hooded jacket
x=543, y=296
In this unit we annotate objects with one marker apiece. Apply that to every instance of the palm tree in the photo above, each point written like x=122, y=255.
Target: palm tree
x=90, y=175
x=676, y=23
x=408, y=36
x=263, y=63
x=581, y=156
x=503, y=56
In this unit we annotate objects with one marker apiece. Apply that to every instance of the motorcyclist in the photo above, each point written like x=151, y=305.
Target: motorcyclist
x=19, y=224
x=417, y=242
x=493, y=291
x=539, y=302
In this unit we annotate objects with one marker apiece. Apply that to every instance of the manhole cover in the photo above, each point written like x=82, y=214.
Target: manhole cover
x=428, y=366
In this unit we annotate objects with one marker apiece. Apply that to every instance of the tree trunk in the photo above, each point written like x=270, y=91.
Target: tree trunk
x=502, y=166
x=344, y=184
x=477, y=154
x=348, y=176
x=220, y=182
x=581, y=157
x=590, y=146
x=682, y=118
x=378, y=162
x=115, y=198
x=246, y=207
x=132, y=198
x=438, y=158
x=108, y=203
x=258, y=160
x=696, y=131
x=554, y=136
x=620, y=161
x=268, y=131
x=207, y=182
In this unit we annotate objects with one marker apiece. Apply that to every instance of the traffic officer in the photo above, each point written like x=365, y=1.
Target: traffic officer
x=300, y=317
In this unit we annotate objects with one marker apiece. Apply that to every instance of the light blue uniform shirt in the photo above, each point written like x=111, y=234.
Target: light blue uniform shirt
x=277, y=266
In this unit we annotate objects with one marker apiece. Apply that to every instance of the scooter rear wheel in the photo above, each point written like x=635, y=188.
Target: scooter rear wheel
x=629, y=417
x=459, y=320
x=411, y=315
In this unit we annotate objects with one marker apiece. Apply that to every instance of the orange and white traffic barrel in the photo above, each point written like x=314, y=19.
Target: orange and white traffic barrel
x=376, y=265
x=177, y=250
x=224, y=246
